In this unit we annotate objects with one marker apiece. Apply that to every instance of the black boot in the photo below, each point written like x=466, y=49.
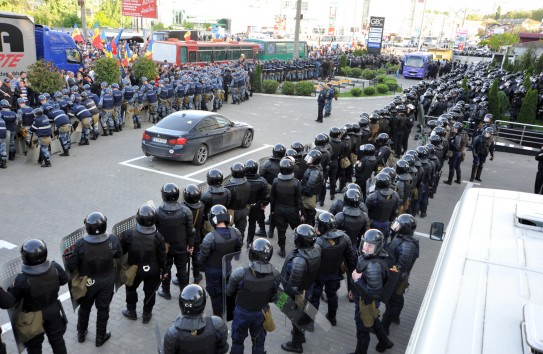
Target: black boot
x=11, y=155
x=47, y=163
x=3, y=164
x=290, y=347
x=111, y=132
x=382, y=346
x=65, y=153
x=282, y=252
x=116, y=128
x=40, y=159
x=458, y=179
x=479, y=170
x=130, y=314
x=120, y=127
x=94, y=136
x=81, y=336
x=473, y=170
x=101, y=339
x=449, y=182
x=146, y=317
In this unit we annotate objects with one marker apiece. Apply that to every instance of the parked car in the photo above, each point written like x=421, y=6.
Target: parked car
x=194, y=136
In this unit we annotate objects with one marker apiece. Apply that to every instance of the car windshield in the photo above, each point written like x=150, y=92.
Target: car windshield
x=178, y=123
x=414, y=62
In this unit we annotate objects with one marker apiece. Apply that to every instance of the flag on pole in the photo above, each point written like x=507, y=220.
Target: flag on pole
x=115, y=43
x=103, y=37
x=187, y=36
x=96, y=38
x=76, y=34
x=149, y=51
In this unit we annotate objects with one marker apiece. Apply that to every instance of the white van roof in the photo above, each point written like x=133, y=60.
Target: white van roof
x=490, y=266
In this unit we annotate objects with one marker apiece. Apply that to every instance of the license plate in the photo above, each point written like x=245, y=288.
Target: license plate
x=159, y=140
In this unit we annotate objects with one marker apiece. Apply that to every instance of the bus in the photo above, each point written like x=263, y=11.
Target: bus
x=164, y=35
x=416, y=64
x=485, y=294
x=278, y=48
x=176, y=52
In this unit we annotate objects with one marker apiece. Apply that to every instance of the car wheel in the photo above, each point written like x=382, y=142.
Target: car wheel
x=247, y=139
x=200, y=156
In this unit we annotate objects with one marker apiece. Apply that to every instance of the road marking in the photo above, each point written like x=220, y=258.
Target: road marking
x=126, y=163
x=205, y=169
x=6, y=244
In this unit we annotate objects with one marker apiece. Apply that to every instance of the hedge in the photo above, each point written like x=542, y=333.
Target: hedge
x=381, y=88
x=357, y=72
x=288, y=88
x=270, y=86
x=347, y=70
x=381, y=78
x=369, y=91
x=304, y=88
x=369, y=74
x=391, y=83
x=356, y=92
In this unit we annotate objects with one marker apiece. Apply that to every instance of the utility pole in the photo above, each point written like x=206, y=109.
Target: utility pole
x=296, y=53
x=83, y=19
x=419, y=44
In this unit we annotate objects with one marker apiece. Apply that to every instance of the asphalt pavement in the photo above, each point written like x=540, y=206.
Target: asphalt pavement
x=112, y=176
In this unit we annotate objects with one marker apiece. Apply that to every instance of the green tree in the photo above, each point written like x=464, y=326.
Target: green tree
x=56, y=13
x=527, y=83
x=504, y=104
x=188, y=25
x=538, y=66
x=493, y=101
x=258, y=79
x=144, y=67
x=44, y=77
x=528, y=109
x=343, y=61
x=498, y=40
x=106, y=69
x=527, y=60
x=465, y=85
x=537, y=14
x=109, y=14
x=498, y=13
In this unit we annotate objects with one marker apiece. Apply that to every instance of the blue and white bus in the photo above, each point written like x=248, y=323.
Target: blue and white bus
x=416, y=64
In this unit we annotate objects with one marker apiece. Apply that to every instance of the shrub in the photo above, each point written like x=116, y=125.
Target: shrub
x=369, y=91
x=44, y=77
x=304, y=88
x=504, y=104
x=369, y=74
x=529, y=107
x=343, y=61
x=381, y=71
x=381, y=78
x=357, y=72
x=270, y=86
x=106, y=69
x=356, y=92
x=493, y=102
x=257, y=85
x=347, y=71
x=144, y=67
x=288, y=88
x=382, y=88
x=359, y=52
x=391, y=83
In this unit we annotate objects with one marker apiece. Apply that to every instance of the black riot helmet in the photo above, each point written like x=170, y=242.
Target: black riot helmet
x=440, y=131
x=363, y=122
x=402, y=166
x=368, y=150
x=33, y=252
x=382, y=139
x=390, y=172
x=251, y=168
x=354, y=186
x=286, y=166
x=238, y=170
x=291, y=152
x=422, y=152
x=96, y=223
x=372, y=237
x=313, y=157
x=321, y=140
x=355, y=128
x=218, y=214
x=279, y=151
x=260, y=250
x=410, y=159
x=382, y=181
x=304, y=236
x=298, y=147
x=192, y=194
x=192, y=300
x=432, y=123
x=146, y=216
x=435, y=140
x=335, y=133
x=458, y=127
x=170, y=192
x=325, y=222
x=404, y=224
x=430, y=148
x=351, y=198
x=214, y=177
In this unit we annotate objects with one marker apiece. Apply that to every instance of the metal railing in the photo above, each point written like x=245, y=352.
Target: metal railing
x=520, y=133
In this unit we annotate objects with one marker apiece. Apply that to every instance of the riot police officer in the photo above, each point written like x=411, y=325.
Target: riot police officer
x=217, y=244
x=352, y=219
x=93, y=257
x=457, y=143
x=382, y=204
x=426, y=181
x=365, y=167
x=37, y=286
x=191, y=198
x=405, y=250
x=368, y=278
x=404, y=184
x=321, y=140
x=270, y=170
x=215, y=194
x=298, y=275
x=311, y=183
x=254, y=286
x=193, y=331
x=259, y=198
x=336, y=153
x=174, y=222
x=240, y=190
x=336, y=247
x=42, y=128
x=146, y=249
x=285, y=202
x=482, y=146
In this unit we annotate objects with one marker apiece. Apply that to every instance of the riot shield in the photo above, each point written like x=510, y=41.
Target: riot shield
x=229, y=262
x=159, y=339
x=56, y=146
x=33, y=153
x=8, y=272
x=67, y=245
x=299, y=310
x=117, y=230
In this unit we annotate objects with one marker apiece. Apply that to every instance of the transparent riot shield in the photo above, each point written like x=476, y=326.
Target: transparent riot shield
x=117, y=230
x=299, y=310
x=8, y=272
x=67, y=245
x=159, y=339
x=229, y=262
x=33, y=152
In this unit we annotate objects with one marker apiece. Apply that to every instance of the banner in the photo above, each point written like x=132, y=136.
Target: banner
x=139, y=8
x=375, y=35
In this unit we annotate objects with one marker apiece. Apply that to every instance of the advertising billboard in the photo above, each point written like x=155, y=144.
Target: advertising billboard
x=375, y=35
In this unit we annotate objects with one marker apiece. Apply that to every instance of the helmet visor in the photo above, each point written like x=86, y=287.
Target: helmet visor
x=368, y=248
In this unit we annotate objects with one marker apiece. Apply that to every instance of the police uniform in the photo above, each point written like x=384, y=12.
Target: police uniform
x=117, y=104
x=10, y=119
x=90, y=104
x=128, y=94
x=106, y=103
x=258, y=199
x=85, y=116
x=64, y=128
x=3, y=135
x=240, y=190
x=197, y=210
x=382, y=209
x=6, y=301
x=42, y=128
x=213, y=196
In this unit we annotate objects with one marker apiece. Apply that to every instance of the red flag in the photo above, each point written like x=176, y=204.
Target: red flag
x=115, y=43
x=76, y=35
x=187, y=36
x=96, y=39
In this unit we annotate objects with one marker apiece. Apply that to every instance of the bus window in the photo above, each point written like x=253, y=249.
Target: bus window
x=205, y=53
x=73, y=56
x=234, y=54
x=192, y=57
x=183, y=54
x=301, y=49
x=219, y=53
x=248, y=51
x=414, y=62
x=290, y=47
x=270, y=48
x=281, y=48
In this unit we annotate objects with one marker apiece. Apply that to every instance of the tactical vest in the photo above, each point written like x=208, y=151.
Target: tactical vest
x=151, y=96
x=163, y=94
x=191, y=90
x=210, y=199
x=97, y=259
x=117, y=98
x=169, y=91
x=386, y=205
x=203, y=343
x=27, y=116
x=256, y=291
x=312, y=269
x=257, y=185
x=59, y=117
x=107, y=102
x=332, y=255
x=482, y=147
x=271, y=170
x=286, y=193
x=172, y=225
x=128, y=94
x=10, y=118
x=81, y=112
x=3, y=132
x=221, y=248
x=142, y=249
x=353, y=225
x=43, y=290
x=337, y=148
x=241, y=193
x=198, y=88
x=91, y=106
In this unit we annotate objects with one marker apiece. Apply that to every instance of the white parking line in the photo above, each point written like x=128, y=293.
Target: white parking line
x=127, y=163
x=6, y=244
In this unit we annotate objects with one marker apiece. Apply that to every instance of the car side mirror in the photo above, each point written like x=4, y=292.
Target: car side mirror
x=436, y=231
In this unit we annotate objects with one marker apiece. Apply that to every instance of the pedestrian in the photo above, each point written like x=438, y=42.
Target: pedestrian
x=254, y=287
x=37, y=286
x=193, y=330
x=93, y=257
x=3, y=136
x=145, y=249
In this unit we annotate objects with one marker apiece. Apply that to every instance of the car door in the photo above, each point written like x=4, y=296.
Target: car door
x=207, y=132
x=229, y=135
